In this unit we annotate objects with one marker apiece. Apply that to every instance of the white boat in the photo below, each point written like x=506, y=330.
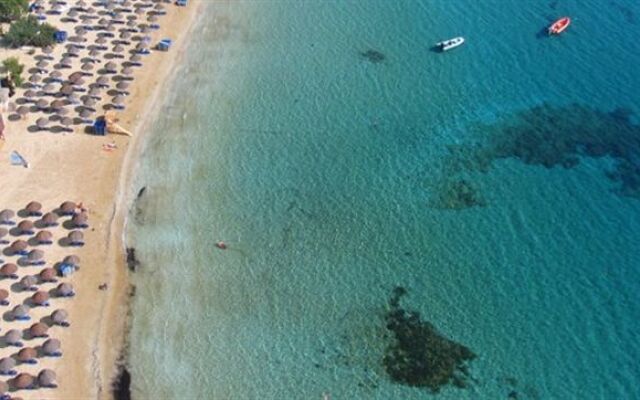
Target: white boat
x=450, y=44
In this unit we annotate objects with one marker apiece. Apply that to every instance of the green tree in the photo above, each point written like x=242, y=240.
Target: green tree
x=12, y=9
x=27, y=31
x=13, y=67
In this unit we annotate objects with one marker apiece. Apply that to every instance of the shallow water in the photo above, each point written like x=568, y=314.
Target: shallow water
x=334, y=179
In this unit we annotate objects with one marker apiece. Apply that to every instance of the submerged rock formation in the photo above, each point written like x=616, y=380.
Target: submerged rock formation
x=419, y=355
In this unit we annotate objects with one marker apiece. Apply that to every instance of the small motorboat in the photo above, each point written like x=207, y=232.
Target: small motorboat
x=559, y=26
x=450, y=44
x=221, y=245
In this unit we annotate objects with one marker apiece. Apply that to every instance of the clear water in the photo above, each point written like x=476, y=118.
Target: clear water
x=327, y=175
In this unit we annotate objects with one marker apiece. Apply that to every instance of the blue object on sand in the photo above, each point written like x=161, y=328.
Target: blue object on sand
x=60, y=36
x=164, y=44
x=181, y=3
x=100, y=127
x=66, y=269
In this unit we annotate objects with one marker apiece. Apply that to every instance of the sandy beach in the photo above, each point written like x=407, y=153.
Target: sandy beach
x=74, y=166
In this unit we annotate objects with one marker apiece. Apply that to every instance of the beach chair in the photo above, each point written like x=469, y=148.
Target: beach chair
x=60, y=36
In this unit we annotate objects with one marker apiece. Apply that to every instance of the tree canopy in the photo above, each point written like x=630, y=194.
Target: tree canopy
x=13, y=67
x=27, y=31
x=12, y=9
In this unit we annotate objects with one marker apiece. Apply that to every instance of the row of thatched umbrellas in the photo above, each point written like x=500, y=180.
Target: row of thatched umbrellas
x=75, y=83
x=51, y=347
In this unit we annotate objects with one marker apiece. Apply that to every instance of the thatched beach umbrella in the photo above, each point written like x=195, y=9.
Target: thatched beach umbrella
x=13, y=337
x=49, y=219
x=35, y=79
x=27, y=355
x=4, y=295
x=40, y=298
x=25, y=227
x=86, y=114
x=67, y=89
x=57, y=104
x=3, y=232
x=9, y=270
x=44, y=238
x=94, y=54
x=128, y=71
x=47, y=51
x=34, y=257
x=89, y=102
x=6, y=217
x=23, y=110
x=66, y=123
x=33, y=209
x=102, y=81
x=152, y=18
x=51, y=348
x=39, y=329
x=20, y=312
x=102, y=41
x=87, y=68
x=47, y=379
x=72, y=260
x=80, y=220
x=75, y=77
x=76, y=238
x=30, y=94
x=111, y=67
x=48, y=275
x=122, y=87
x=18, y=247
x=60, y=317
x=67, y=208
x=95, y=93
x=66, y=62
x=7, y=365
x=42, y=104
x=127, y=35
x=118, y=49
x=118, y=101
x=49, y=89
x=28, y=282
x=55, y=75
x=61, y=112
x=65, y=290
x=42, y=65
x=4, y=389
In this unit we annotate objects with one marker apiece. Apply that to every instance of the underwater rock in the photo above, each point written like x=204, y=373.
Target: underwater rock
x=551, y=136
x=458, y=195
x=419, y=355
x=373, y=56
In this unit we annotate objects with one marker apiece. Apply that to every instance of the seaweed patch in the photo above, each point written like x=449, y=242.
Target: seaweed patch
x=458, y=195
x=551, y=136
x=373, y=56
x=419, y=355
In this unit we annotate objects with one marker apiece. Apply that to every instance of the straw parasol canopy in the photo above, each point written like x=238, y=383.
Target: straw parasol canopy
x=67, y=208
x=47, y=50
x=27, y=354
x=72, y=260
x=44, y=237
x=6, y=365
x=33, y=208
x=102, y=81
x=101, y=40
x=23, y=110
x=24, y=380
x=76, y=76
x=39, y=329
x=8, y=270
x=66, y=122
x=49, y=219
x=86, y=114
x=66, y=62
x=118, y=100
x=55, y=75
x=128, y=71
x=19, y=246
x=67, y=89
x=64, y=289
x=47, y=378
x=42, y=104
x=111, y=66
x=87, y=67
x=35, y=78
x=80, y=220
x=48, y=275
x=89, y=102
x=76, y=237
x=35, y=256
x=6, y=216
x=49, y=89
x=95, y=92
x=3, y=232
x=152, y=18
x=51, y=347
x=29, y=94
x=28, y=281
x=13, y=337
x=61, y=112
x=20, y=311
x=25, y=227
x=42, y=64
x=3, y=294
x=118, y=48
x=60, y=316
x=127, y=35
x=40, y=297
x=123, y=86
x=57, y=104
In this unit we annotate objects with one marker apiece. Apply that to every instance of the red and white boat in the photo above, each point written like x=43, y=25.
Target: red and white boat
x=559, y=26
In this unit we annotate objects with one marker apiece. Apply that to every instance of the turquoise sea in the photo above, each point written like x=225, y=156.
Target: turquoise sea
x=339, y=157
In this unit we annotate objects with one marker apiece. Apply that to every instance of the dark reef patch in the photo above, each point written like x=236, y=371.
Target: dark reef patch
x=551, y=136
x=458, y=195
x=419, y=355
x=132, y=261
x=122, y=385
x=373, y=56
